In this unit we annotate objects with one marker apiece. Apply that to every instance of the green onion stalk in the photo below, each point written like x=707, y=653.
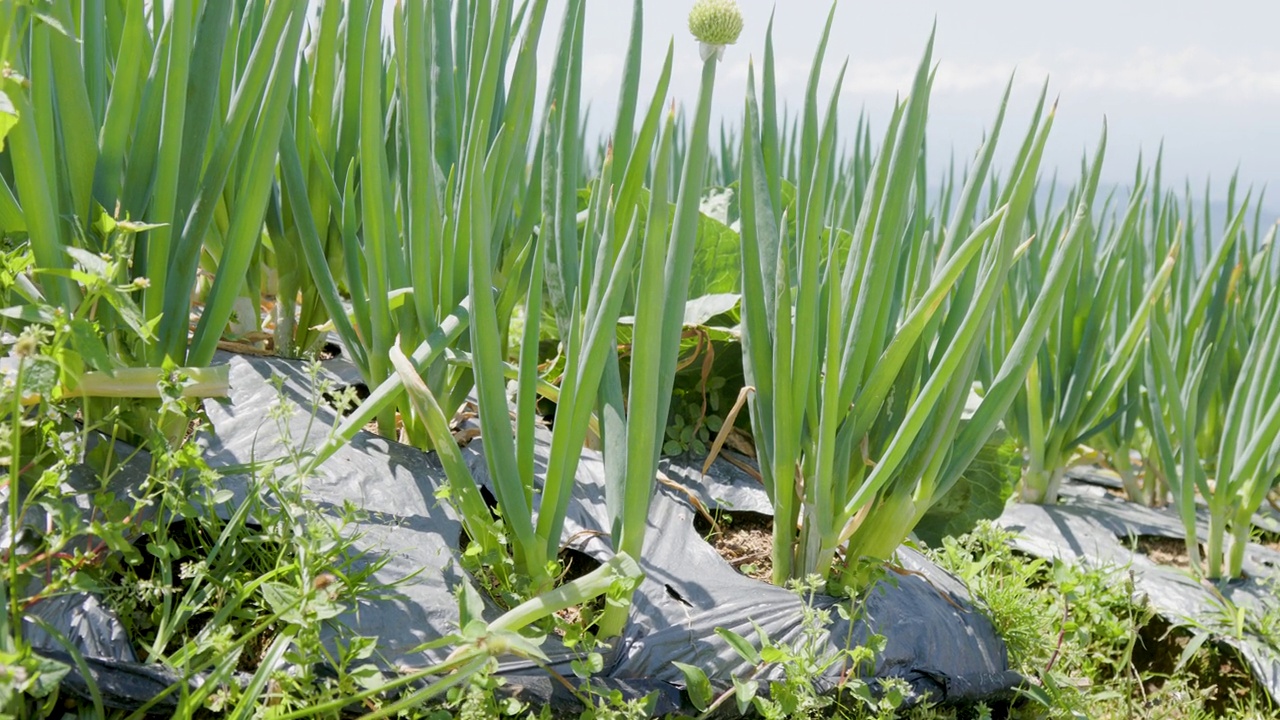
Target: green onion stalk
x=1212, y=302
x=1212, y=314
x=140, y=148
x=579, y=264
x=662, y=289
x=1120, y=439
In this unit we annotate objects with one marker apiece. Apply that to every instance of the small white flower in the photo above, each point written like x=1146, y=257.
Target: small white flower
x=715, y=24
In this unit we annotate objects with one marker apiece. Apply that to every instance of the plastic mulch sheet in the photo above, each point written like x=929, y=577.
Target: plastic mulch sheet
x=1095, y=527
x=936, y=641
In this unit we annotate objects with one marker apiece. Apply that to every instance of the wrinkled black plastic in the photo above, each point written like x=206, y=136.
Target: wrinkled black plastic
x=1097, y=528
x=935, y=640
x=80, y=619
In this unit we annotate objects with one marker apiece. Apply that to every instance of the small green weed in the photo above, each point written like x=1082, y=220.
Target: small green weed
x=1087, y=649
x=803, y=661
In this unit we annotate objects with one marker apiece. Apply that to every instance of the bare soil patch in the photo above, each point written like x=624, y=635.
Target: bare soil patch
x=1165, y=551
x=744, y=540
x=1217, y=670
x=577, y=564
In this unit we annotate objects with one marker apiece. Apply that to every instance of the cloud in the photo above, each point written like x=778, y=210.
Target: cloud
x=1191, y=74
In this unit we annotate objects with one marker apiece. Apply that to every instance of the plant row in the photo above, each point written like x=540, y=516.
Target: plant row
x=178, y=177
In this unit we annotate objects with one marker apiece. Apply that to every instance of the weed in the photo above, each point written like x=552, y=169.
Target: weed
x=1087, y=648
x=803, y=661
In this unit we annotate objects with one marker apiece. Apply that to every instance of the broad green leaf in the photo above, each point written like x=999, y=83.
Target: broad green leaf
x=283, y=600
x=980, y=494
x=588, y=667
x=715, y=259
x=740, y=645
x=88, y=342
x=701, y=311
x=44, y=675
x=745, y=691
x=470, y=604
x=697, y=685
x=39, y=375
x=720, y=204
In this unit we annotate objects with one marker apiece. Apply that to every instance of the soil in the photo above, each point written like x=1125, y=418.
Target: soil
x=362, y=394
x=1173, y=553
x=1165, y=551
x=1116, y=492
x=1219, y=671
x=744, y=540
x=576, y=565
x=329, y=351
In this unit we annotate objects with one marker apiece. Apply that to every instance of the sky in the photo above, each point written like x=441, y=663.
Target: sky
x=1203, y=78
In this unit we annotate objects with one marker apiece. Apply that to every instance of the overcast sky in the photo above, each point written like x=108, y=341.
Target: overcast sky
x=1203, y=77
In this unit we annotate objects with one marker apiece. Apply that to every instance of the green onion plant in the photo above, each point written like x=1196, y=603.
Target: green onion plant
x=1247, y=458
x=633, y=431
x=1213, y=393
x=166, y=116
x=865, y=323
x=1092, y=346
x=583, y=266
x=378, y=196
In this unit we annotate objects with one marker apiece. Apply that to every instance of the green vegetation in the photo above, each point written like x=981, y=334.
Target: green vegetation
x=1087, y=647
x=863, y=356
x=178, y=178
